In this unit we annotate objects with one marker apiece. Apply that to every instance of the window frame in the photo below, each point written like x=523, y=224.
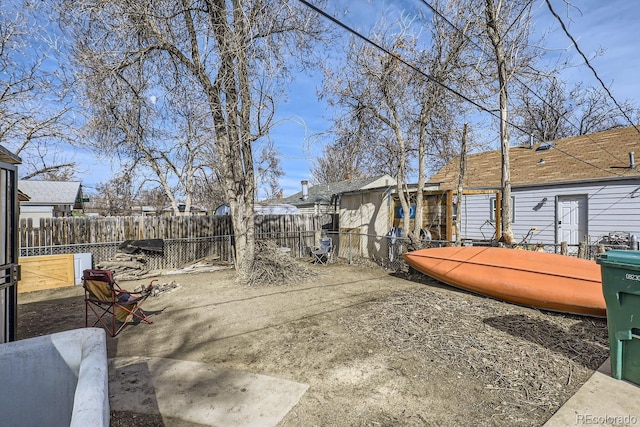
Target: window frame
x=492, y=209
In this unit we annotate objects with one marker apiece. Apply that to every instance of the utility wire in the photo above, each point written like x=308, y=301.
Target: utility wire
x=403, y=61
x=415, y=68
x=586, y=60
x=517, y=79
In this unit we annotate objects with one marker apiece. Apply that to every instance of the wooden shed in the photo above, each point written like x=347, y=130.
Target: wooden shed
x=439, y=212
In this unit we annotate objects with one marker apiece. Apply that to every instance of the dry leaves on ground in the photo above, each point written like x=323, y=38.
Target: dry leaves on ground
x=532, y=361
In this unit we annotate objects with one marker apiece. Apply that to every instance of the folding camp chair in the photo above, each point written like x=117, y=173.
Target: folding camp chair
x=111, y=304
x=323, y=253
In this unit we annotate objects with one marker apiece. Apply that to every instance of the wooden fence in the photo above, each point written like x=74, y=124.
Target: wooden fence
x=70, y=231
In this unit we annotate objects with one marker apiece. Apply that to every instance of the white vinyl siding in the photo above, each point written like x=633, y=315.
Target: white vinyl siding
x=475, y=220
x=612, y=206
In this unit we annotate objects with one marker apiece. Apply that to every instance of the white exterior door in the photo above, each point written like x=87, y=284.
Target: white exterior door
x=571, y=219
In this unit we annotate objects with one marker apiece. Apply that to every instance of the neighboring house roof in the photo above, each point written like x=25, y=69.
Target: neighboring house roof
x=143, y=208
x=260, y=209
x=8, y=157
x=22, y=197
x=182, y=207
x=276, y=209
x=50, y=192
x=598, y=156
x=323, y=193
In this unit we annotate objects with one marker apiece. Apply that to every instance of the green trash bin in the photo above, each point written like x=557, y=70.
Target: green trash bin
x=621, y=288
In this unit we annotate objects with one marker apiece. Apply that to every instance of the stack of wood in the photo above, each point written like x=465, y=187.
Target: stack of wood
x=203, y=265
x=126, y=266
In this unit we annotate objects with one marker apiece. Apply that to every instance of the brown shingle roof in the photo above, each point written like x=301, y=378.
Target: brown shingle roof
x=581, y=158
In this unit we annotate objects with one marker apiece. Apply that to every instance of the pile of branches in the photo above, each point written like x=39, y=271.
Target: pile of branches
x=273, y=266
x=126, y=266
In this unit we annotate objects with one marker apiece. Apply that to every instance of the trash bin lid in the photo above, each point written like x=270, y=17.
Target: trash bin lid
x=618, y=257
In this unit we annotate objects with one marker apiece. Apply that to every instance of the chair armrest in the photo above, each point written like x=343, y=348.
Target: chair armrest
x=133, y=296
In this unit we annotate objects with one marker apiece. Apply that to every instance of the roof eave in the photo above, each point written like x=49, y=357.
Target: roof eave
x=7, y=156
x=577, y=181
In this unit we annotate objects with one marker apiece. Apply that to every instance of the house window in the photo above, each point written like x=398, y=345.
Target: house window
x=492, y=209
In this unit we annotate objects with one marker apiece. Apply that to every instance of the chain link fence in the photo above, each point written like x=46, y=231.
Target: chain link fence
x=99, y=251
x=180, y=252
x=352, y=248
x=387, y=251
x=176, y=253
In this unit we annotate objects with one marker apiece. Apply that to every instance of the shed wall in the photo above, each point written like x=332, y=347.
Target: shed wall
x=366, y=213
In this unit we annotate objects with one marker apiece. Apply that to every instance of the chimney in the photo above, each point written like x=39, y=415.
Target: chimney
x=280, y=194
x=632, y=160
x=531, y=141
x=305, y=189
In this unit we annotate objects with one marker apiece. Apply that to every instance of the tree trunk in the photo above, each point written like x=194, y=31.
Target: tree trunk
x=244, y=236
x=495, y=35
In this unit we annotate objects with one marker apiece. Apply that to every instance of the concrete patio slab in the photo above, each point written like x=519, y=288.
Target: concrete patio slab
x=602, y=400
x=200, y=393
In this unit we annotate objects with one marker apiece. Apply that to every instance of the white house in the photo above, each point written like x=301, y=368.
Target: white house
x=50, y=199
x=573, y=189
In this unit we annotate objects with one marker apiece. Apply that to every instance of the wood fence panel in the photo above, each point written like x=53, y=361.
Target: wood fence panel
x=46, y=272
x=66, y=231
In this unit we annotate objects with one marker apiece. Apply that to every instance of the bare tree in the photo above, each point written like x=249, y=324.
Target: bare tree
x=35, y=115
x=446, y=65
x=545, y=112
x=397, y=101
x=595, y=111
x=463, y=170
x=115, y=197
x=158, y=138
x=269, y=171
x=552, y=111
x=507, y=28
x=154, y=197
x=233, y=54
x=358, y=151
x=337, y=163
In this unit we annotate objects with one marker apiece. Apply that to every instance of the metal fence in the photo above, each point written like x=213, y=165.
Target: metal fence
x=99, y=251
x=177, y=253
x=387, y=251
x=351, y=248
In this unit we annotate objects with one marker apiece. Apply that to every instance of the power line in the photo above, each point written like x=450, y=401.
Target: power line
x=515, y=77
x=415, y=68
x=586, y=60
x=403, y=61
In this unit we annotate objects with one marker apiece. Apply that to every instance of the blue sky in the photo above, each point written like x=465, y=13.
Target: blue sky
x=611, y=25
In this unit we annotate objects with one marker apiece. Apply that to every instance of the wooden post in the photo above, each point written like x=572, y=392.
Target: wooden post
x=564, y=248
x=449, y=216
x=497, y=214
x=463, y=168
x=582, y=249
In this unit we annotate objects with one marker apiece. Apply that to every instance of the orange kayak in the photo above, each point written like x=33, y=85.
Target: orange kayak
x=534, y=279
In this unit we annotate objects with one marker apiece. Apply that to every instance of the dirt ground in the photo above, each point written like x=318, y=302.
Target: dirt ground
x=376, y=348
